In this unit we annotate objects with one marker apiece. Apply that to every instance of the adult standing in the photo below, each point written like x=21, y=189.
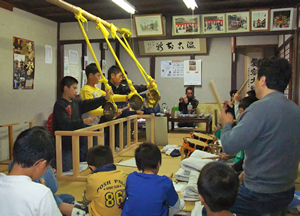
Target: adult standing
x=268, y=132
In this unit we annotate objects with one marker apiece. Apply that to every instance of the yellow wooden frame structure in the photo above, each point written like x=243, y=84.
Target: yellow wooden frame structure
x=90, y=133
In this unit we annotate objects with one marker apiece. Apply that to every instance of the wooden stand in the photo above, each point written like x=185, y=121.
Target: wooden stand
x=30, y=123
x=90, y=132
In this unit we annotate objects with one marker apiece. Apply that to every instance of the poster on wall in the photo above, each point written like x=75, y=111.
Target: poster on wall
x=172, y=68
x=23, y=63
x=66, y=66
x=192, y=72
x=252, y=56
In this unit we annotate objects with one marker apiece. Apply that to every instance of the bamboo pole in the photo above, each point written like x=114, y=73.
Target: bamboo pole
x=216, y=94
x=239, y=91
x=74, y=9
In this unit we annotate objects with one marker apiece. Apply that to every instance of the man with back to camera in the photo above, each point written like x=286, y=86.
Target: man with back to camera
x=268, y=132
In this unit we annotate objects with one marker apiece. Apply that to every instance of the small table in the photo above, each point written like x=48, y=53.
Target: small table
x=208, y=122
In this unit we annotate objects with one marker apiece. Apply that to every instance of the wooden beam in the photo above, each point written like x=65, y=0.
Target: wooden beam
x=6, y=6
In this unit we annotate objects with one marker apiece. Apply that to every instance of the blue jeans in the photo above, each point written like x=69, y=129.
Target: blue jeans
x=252, y=203
x=63, y=198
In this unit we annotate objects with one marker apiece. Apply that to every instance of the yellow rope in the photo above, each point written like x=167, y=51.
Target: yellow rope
x=131, y=53
x=114, y=34
x=103, y=80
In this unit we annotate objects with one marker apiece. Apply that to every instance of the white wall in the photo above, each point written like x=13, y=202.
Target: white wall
x=130, y=66
x=257, y=40
x=215, y=66
x=18, y=106
x=71, y=30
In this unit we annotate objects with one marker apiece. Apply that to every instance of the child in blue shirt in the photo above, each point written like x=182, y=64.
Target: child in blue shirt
x=148, y=193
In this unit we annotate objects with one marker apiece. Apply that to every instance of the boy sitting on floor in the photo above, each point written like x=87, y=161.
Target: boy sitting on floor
x=32, y=152
x=105, y=188
x=218, y=187
x=148, y=193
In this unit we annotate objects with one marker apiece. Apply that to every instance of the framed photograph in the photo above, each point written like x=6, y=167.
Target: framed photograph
x=213, y=23
x=281, y=19
x=149, y=25
x=237, y=22
x=186, y=25
x=259, y=20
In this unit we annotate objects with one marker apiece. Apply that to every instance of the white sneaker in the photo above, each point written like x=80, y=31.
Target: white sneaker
x=117, y=149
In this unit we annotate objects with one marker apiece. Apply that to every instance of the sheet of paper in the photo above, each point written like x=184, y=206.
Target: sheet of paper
x=130, y=163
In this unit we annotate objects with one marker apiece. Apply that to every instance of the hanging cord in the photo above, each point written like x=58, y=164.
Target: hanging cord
x=103, y=80
x=131, y=53
x=114, y=33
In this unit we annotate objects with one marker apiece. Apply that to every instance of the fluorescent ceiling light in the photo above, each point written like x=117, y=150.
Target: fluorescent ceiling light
x=190, y=4
x=125, y=5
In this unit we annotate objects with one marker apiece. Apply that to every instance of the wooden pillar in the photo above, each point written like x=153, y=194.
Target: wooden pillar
x=297, y=64
x=233, y=63
x=117, y=50
x=60, y=62
x=83, y=54
x=102, y=50
x=152, y=67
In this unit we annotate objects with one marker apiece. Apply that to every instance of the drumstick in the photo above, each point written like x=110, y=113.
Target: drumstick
x=241, y=89
x=243, y=86
x=217, y=94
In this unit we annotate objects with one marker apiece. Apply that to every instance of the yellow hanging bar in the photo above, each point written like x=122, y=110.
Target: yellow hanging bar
x=74, y=9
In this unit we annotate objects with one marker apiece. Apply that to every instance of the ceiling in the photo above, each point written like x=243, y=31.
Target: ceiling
x=107, y=10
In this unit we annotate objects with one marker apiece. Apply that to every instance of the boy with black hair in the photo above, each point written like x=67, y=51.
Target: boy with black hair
x=218, y=187
x=272, y=144
x=148, y=193
x=33, y=151
x=67, y=116
x=90, y=91
x=115, y=77
x=105, y=188
x=233, y=105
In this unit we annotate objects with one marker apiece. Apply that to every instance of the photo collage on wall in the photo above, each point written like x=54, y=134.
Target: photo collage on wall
x=23, y=63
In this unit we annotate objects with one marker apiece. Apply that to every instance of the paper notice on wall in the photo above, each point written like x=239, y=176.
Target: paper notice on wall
x=172, y=68
x=192, y=72
x=73, y=57
x=66, y=66
x=48, y=54
x=74, y=71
